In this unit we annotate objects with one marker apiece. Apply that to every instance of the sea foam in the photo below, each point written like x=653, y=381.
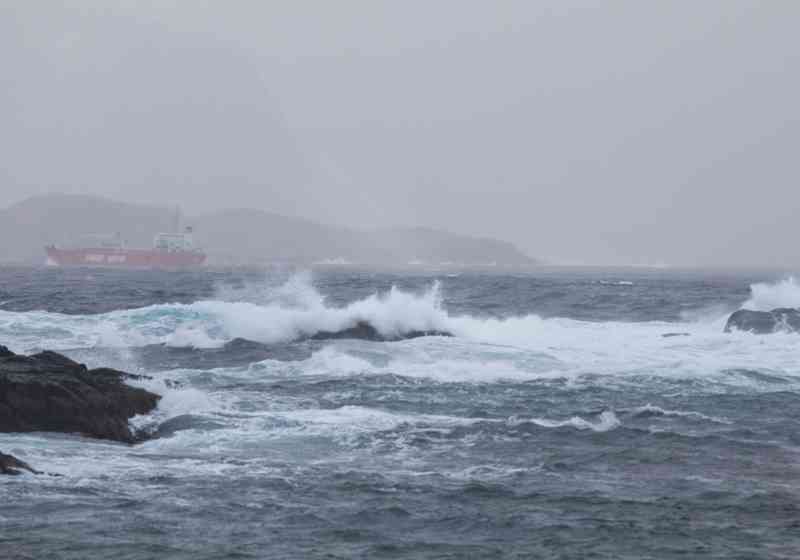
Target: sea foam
x=483, y=349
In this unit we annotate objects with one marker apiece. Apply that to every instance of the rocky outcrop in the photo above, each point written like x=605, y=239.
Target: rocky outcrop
x=48, y=392
x=764, y=322
x=11, y=465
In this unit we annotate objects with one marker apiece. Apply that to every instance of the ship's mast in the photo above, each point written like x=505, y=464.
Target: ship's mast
x=176, y=220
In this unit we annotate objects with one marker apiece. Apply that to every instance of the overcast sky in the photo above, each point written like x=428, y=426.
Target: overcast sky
x=584, y=132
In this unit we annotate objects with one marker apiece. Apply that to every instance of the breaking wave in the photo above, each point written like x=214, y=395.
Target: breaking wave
x=766, y=296
x=293, y=311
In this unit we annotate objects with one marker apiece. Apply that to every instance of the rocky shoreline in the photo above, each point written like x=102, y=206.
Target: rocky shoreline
x=48, y=392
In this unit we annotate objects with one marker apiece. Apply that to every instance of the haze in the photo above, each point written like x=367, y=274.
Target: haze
x=583, y=132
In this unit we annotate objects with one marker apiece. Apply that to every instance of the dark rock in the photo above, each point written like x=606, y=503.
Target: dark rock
x=49, y=392
x=674, y=334
x=364, y=331
x=11, y=465
x=764, y=322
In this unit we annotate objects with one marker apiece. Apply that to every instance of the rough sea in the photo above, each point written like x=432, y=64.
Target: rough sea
x=574, y=413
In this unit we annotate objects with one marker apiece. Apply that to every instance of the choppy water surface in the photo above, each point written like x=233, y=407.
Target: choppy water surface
x=558, y=421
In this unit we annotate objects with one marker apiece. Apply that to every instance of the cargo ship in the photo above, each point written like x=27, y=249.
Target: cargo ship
x=170, y=250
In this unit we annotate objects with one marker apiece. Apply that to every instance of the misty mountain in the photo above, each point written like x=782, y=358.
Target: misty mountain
x=236, y=236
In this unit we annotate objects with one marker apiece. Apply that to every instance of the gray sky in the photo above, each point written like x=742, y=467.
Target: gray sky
x=585, y=132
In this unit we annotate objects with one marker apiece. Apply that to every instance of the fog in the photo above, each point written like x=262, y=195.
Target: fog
x=583, y=132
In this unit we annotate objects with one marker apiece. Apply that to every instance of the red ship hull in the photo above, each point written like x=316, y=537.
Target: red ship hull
x=124, y=258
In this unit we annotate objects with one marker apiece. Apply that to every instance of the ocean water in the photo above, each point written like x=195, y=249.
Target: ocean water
x=557, y=422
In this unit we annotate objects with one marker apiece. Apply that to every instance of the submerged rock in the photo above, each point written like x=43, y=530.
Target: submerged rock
x=48, y=392
x=11, y=465
x=238, y=352
x=365, y=331
x=764, y=322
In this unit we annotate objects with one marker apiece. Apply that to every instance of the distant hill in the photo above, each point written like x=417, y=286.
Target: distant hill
x=237, y=236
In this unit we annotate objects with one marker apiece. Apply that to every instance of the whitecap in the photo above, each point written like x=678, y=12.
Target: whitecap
x=653, y=410
x=606, y=422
